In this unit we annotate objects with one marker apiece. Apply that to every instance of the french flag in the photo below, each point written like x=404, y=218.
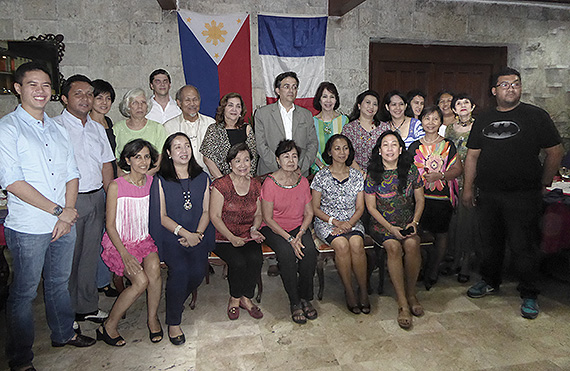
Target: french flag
x=216, y=56
x=293, y=44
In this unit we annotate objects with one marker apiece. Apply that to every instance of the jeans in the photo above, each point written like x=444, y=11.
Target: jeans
x=31, y=254
x=510, y=218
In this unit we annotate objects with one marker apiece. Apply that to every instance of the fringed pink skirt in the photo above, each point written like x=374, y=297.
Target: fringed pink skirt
x=139, y=250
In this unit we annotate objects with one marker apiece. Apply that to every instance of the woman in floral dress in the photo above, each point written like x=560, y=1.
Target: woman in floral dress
x=436, y=160
x=395, y=199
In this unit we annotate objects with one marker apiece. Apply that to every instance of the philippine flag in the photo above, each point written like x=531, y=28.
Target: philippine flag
x=216, y=56
x=293, y=44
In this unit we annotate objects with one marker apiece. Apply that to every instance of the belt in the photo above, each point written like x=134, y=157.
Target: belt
x=90, y=192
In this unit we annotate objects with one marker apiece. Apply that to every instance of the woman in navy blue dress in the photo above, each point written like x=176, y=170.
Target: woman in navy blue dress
x=181, y=226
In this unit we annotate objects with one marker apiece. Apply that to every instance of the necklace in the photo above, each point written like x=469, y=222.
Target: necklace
x=285, y=186
x=187, y=194
x=142, y=182
x=326, y=127
x=397, y=129
x=432, y=141
x=466, y=123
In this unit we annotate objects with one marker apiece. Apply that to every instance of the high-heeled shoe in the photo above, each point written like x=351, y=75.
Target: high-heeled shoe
x=365, y=308
x=354, y=309
x=103, y=335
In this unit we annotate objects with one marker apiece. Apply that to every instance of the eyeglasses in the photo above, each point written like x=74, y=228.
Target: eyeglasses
x=506, y=85
x=289, y=87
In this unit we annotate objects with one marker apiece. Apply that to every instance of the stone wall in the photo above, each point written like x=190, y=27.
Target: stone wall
x=123, y=41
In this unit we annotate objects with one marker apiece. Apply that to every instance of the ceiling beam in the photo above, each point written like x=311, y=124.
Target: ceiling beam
x=341, y=7
x=167, y=4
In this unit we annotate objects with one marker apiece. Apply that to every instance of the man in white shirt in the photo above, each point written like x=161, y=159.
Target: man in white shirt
x=38, y=169
x=163, y=107
x=190, y=121
x=284, y=120
x=94, y=159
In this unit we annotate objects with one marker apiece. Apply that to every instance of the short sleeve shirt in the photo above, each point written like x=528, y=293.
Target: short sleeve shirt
x=397, y=208
x=152, y=132
x=238, y=211
x=288, y=203
x=510, y=143
x=338, y=198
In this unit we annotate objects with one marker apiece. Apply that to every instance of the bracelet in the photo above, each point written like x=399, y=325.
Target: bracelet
x=415, y=223
x=290, y=238
x=177, y=229
x=330, y=220
x=442, y=175
x=201, y=234
x=253, y=228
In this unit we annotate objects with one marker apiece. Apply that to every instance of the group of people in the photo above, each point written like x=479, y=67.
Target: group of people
x=171, y=185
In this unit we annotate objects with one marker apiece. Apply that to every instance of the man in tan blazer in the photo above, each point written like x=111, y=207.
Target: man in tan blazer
x=284, y=120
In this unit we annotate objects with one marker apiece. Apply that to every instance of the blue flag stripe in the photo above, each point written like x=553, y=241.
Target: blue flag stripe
x=291, y=36
x=199, y=70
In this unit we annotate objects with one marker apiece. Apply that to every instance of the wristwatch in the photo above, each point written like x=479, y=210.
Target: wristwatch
x=290, y=238
x=57, y=210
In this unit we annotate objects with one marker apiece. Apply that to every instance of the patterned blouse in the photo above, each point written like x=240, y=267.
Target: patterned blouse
x=362, y=140
x=436, y=157
x=338, y=199
x=238, y=211
x=325, y=130
x=216, y=145
x=397, y=208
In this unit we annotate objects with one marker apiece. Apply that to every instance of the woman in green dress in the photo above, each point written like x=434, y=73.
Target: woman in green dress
x=328, y=121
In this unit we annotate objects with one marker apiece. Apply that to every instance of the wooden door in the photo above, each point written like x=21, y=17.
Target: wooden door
x=432, y=68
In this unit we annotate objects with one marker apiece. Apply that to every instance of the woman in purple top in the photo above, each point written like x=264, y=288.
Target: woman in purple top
x=364, y=127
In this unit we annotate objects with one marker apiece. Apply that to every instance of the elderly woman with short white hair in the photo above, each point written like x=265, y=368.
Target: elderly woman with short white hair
x=134, y=107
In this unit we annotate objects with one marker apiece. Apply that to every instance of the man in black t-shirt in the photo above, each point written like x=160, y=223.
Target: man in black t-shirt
x=502, y=163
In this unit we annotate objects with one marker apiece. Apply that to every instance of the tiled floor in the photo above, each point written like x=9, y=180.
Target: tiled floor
x=457, y=333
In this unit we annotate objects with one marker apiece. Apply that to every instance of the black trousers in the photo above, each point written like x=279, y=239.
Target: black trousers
x=296, y=274
x=244, y=266
x=510, y=218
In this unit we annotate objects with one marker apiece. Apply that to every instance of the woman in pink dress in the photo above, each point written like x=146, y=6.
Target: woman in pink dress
x=128, y=248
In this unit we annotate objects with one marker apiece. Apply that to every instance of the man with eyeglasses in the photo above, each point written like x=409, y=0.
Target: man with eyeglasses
x=284, y=120
x=505, y=180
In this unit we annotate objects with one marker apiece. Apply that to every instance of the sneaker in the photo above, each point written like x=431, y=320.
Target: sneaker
x=76, y=328
x=98, y=316
x=481, y=289
x=529, y=309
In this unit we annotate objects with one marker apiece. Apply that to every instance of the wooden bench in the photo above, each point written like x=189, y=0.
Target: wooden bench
x=376, y=257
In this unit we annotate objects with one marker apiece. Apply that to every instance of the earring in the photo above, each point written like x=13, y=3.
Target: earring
x=170, y=157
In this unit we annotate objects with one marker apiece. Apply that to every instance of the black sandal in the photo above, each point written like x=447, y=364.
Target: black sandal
x=297, y=314
x=108, y=339
x=155, y=337
x=308, y=309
